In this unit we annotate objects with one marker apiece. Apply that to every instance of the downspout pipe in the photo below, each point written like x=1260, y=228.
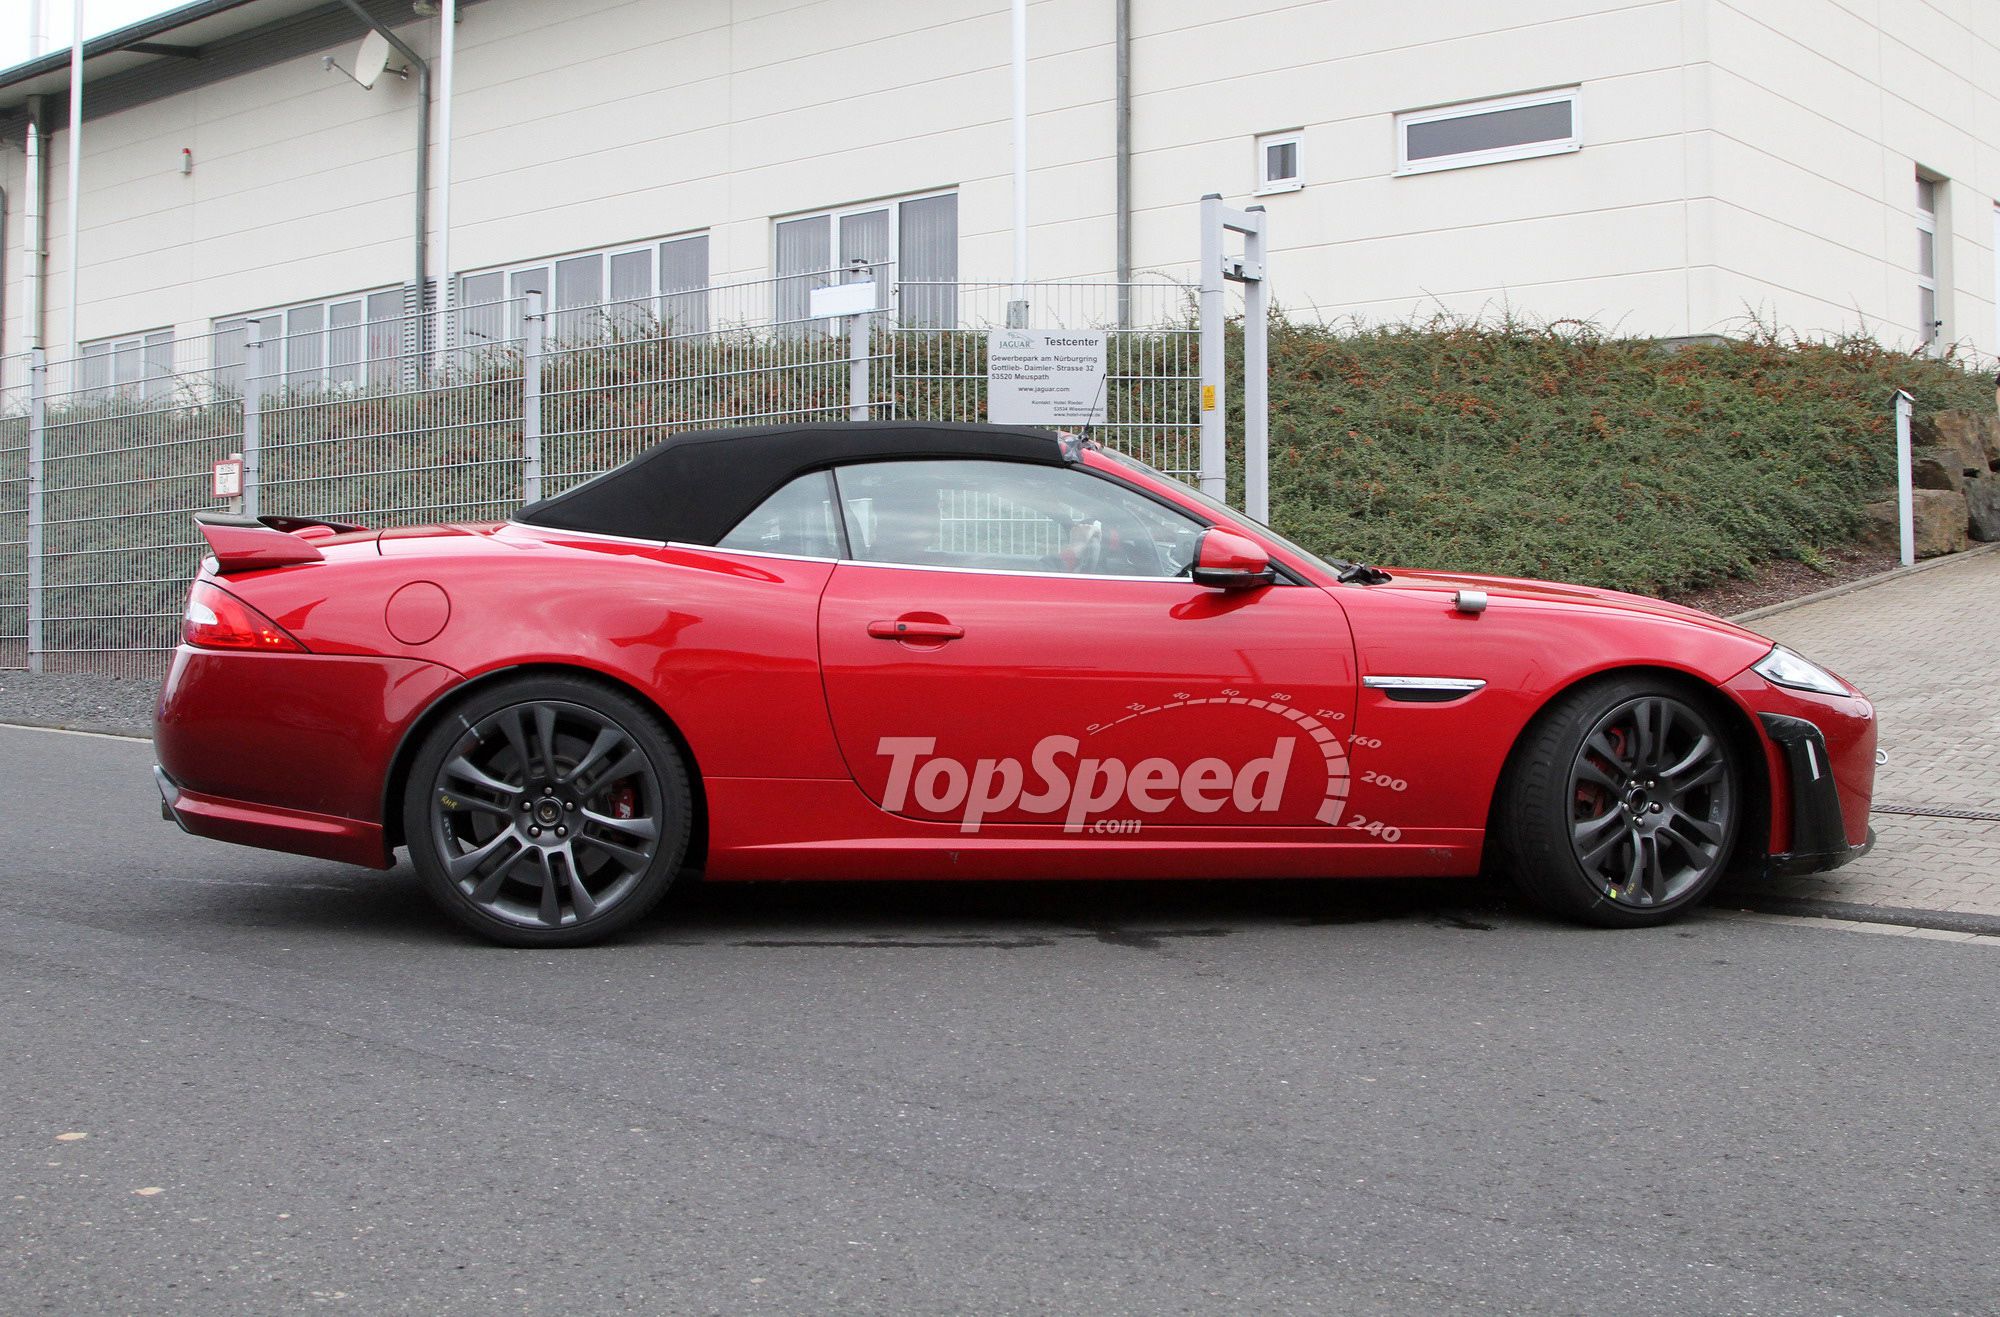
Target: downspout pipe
x=34, y=234
x=1122, y=41
x=447, y=61
x=423, y=189
x=1019, y=25
x=75, y=197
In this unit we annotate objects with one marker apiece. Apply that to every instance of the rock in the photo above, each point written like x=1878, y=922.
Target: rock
x=1938, y=521
x=1982, y=504
x=1950, y=449
x=1930, y=470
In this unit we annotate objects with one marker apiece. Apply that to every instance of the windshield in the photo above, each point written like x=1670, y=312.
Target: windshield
x=1215, y=505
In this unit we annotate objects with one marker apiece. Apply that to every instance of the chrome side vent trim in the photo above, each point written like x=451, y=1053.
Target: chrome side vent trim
x=1424, y=690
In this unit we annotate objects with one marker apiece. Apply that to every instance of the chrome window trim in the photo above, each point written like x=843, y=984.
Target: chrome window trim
x=843, y=562
x=1005, y=571
x=748, y=553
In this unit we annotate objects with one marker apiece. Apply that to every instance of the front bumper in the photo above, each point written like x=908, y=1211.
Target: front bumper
x=1818, y=835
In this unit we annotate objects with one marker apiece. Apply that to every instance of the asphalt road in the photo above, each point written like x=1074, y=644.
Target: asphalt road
x=302, y=1088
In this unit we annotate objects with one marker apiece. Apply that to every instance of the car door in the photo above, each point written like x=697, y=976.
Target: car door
x=1015, y=645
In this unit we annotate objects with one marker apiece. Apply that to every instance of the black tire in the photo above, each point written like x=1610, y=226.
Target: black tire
x=1622, y=805
x=548, y=811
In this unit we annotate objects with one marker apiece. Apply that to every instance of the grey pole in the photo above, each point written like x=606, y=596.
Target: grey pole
x=1122, y=149
x=38, y=389
x=1905, y=499
x=534, y=323
x=1212, y=479
x=857, y=367
x=1256, y=370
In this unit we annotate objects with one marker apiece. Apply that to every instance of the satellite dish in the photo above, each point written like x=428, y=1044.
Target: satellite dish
x=371, y=59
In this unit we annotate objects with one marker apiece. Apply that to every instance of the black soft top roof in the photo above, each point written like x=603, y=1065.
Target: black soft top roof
x=694, y=487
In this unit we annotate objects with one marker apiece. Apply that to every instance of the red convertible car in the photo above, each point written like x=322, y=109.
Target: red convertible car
x=902, y=650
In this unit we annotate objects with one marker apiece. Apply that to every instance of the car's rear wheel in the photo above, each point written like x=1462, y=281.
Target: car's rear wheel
x=547, y=811
x=1623, y=807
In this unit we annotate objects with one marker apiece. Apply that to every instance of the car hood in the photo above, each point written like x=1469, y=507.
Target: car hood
x=1561, y=593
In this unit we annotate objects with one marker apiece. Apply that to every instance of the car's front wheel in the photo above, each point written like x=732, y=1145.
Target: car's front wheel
x=547, y=811
x=1622, y=808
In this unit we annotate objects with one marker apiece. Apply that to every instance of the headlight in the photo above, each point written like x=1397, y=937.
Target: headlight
x=1781, y=667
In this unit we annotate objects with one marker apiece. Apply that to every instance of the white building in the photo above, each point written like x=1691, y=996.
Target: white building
x=1669, y=167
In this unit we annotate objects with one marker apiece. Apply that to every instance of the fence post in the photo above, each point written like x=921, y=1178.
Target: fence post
x=1256, y=369
x=857, y=367
x=253, y=418
x=38, y=390
x=534, y=342
x=1905, y=511
x=1212, y=479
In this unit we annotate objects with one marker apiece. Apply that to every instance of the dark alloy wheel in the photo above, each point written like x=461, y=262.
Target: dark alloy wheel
x=1623, y=807
x=548, y=812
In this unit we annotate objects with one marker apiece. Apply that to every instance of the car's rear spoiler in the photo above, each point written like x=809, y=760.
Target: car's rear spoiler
x=248, y=544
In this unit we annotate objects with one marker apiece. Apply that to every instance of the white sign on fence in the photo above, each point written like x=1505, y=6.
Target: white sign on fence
x=855, y=299
x=1052, y=377
x=226, y=478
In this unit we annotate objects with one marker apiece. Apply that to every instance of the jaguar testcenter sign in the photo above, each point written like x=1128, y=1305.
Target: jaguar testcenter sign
x=1048, y=377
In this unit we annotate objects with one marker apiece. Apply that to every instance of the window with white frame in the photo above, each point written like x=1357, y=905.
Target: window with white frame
x=1930, y=321
x=1278, y=168
x=339, y=342
x=1485, y=132
x=913, y=240
x=137, y=365
x=657, y=286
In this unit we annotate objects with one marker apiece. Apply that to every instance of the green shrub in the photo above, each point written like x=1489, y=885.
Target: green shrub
x=1560, y=451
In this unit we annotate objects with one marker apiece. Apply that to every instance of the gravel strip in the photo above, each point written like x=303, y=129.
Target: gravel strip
x=81, y=701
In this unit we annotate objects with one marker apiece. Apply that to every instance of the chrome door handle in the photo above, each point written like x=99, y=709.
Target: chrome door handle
x=915, y=631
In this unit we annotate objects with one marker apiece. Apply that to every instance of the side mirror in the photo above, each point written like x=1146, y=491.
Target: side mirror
x=1224, y=560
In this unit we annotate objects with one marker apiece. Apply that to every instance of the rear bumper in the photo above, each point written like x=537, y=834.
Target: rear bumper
x=291, y=752
x=351, y=841
x=1818, y=833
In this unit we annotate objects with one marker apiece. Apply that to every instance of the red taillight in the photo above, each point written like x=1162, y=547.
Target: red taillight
x=217, y=619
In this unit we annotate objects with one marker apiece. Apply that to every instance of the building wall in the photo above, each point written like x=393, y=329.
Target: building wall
x=1597, y=233
x=1740, y=156
x=1823, y=112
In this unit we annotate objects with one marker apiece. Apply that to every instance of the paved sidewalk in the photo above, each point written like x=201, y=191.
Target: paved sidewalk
x=1926, y=648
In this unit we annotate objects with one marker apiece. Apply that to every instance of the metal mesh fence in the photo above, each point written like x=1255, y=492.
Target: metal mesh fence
x=374, y=423
x=1152, y=404
x=124, y=467
x=615, y=379
x=402, y=437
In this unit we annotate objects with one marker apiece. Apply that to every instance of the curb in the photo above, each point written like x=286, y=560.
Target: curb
x=1944, y=921
x=1850, y=587
x=116, y=731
